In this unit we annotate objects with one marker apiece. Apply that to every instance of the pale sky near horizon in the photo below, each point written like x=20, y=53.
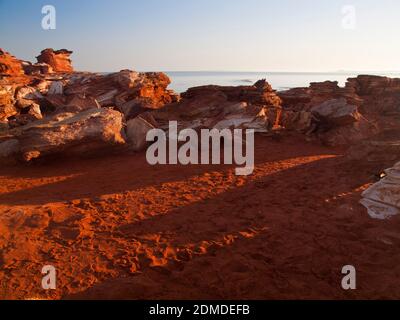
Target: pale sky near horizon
x=221, y=35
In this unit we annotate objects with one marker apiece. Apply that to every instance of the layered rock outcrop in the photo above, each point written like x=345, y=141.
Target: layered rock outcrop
x=373, y=94
x=379, y=94
x=9, y=65
x=58, y=60
x=130, y=91
x=84, y=133
x=260, y=93
x=323, y=111
x=58, y=111
x=374, y=99
x=318, y=92
x=256, y=107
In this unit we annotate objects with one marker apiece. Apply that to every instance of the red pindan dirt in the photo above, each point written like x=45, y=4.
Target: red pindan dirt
x=117, y=228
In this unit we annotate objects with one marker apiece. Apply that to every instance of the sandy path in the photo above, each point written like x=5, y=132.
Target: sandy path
x=118, y=228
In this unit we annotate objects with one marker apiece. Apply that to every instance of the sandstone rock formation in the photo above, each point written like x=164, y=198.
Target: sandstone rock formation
x=339, y=123
x=58, y=60
x=379, y=94
x=372, y=94
x=375, y=98
x=49, y=89
x=9, y=65
x=260, y=93
x=58, y=111
x=318, y=92
x=300, y=121
x=255, y=107
x=84, y=133
x=7, y=108
x=139, y=90
x=336, y=112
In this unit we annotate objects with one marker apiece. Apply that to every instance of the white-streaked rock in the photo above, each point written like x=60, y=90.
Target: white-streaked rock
x=383, y=198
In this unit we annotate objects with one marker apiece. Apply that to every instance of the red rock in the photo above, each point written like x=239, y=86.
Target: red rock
x=296, y=99
x=262, y=94
x=37, y=68
x=53, y=103
x=380, y=94
x=136, y=131
x=7, y=111
x=306, y=98
x=7, y=108
x=301, y=121
x=88, y=132
x=58, y=60
x=336, y=112
x=153, y=88
x=256, y=107
x=116, y=89
x=372, y=94
x=133, y=108
x=348, y=135
x=9, y=65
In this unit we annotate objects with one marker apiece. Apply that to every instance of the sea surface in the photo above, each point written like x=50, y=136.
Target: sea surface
x=183, y=80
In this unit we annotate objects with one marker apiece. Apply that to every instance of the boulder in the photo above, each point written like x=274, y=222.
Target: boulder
x=346, y=135
x=337, y=112
x=53, y=103
x=87, y=132
x=7, y=108
x=295, y=99
x=78, y=103
x=379, y=210
x=34, y=110
x=242, y=116
x=55, y=88
x=136, y=131
x=28, y=92
x=58, y=60
x=153, y=88
x=131, y=109
x=383, y=198
x=301, y=121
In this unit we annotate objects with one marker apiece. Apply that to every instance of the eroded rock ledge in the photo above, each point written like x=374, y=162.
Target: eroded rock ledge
x=47, y=108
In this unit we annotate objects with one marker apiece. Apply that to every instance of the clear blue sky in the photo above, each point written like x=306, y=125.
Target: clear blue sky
x=235, y=35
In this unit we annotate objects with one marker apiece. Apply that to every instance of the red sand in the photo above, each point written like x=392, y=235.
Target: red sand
x=116, y=227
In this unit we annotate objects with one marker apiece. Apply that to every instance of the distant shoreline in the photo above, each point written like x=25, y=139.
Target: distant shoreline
x=183, y=80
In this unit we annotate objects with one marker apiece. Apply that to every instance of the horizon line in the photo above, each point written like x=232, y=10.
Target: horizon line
x=344, y=72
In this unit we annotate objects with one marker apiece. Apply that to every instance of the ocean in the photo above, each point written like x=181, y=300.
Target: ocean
x=183, y=80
